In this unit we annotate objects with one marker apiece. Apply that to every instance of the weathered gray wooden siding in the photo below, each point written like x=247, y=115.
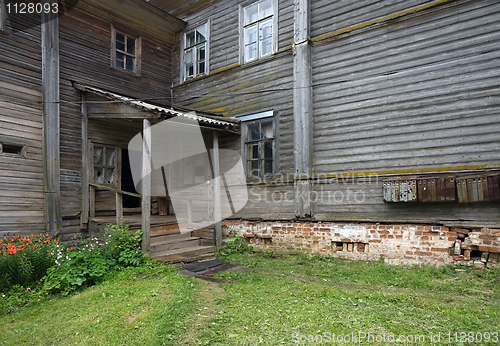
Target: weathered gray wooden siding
x=415, y=94
x=21, y=178
x=358, y=199
x=329, y=16
x=85, y=43
x=224, y=32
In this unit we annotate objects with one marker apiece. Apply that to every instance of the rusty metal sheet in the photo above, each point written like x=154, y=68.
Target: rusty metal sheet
x=493, y=188
x=440, y=188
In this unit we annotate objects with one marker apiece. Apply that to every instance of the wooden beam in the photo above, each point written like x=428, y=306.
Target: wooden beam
x=84, y=217
x=302, y=108
x=119, y=208
x=146, y=185
x=217, y=196
x=51, y=129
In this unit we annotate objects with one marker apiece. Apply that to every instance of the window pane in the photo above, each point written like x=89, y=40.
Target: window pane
x=266, y=47
x=190, y=39
x=120, y=46
x=189, y=56
x=200, y=53
x=251, y=52
x=98, y=175
x=267, y=129
x=251, y=34
x=98, y=155
x=268, y=150
x=109, y=176
x=200, y=35
x=266, y=30
x=251, y=14
x=130, y=63
x=120, y=60
x=120, y=38
x=189, y=70
x=253, y=168
x=268, y=166
x=253, y=151
x=265, y=8
x=253, y=132
x=201, y=67
x=131, y=45
x=110, y=156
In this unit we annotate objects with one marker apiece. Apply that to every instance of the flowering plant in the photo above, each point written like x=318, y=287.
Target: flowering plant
x=25, y=260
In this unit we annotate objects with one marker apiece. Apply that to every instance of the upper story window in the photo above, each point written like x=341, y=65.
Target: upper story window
x=259, y=147
x=125, y=52
x=3, y=16
x=195, y=52
x=258, y=40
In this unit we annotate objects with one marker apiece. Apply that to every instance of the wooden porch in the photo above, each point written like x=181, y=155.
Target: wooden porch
x=167, y=243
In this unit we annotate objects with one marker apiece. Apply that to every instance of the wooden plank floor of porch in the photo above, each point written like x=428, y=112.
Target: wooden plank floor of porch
x=167, y=243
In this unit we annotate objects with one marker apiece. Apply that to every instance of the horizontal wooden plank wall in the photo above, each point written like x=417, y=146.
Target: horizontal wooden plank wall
x=21, y=177
x=85, y=43
x=418, y=93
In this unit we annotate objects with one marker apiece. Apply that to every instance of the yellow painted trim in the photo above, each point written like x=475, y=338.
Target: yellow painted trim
x=380, y=20
x=416, y=170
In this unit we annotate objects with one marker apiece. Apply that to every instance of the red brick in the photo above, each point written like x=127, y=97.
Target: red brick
x=345, y=240
x=437, y=249
x=419, y=232
x=460, y=230
x=452, y=234
x=487, y=237
x=276, y=228
x=390, y=236
x=399, y=237
x=424, y=238
x=427, y=228
x=383, y=232
x=489, y=249
x=458, y=258
x=409, y=252
x=375, y=241
x=422, y=228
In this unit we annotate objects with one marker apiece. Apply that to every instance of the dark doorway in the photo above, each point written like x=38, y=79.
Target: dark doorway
x=128, y=183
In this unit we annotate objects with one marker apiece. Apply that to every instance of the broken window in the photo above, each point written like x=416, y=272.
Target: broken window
x=260, y=147
x=105, y=164
x=195, y=52
x=125, y=52
x=258, y=30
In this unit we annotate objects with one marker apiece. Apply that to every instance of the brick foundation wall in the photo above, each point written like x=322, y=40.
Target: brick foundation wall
x=397, y=244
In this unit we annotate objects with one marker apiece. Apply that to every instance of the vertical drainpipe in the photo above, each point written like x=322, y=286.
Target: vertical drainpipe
x=51, y=122
x=302, y=108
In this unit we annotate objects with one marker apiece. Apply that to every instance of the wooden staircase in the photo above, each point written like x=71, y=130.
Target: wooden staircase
x=169, y=245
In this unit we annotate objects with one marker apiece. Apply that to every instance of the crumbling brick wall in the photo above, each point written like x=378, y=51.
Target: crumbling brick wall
x=397, y=244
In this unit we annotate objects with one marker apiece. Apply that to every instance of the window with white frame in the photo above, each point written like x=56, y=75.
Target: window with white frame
x=258, y=30
x=259, y=144
x=125, y=52
x=195, y=52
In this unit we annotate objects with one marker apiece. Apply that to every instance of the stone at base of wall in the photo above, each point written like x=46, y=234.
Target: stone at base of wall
x=397, y=244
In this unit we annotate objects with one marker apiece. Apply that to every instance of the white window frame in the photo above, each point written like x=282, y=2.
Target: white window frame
x=3, y=16
x=137, y=53
x=252, y=119
x=258, y=25
x=194, y=51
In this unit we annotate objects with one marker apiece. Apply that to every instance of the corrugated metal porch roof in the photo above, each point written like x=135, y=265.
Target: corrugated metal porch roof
x=232, y=124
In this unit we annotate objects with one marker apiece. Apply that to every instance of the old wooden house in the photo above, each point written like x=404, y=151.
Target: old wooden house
x=366, y=128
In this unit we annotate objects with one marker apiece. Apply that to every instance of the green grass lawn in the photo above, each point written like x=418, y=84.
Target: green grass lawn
x=270, y=300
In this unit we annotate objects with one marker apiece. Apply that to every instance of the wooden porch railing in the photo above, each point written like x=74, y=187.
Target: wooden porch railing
x=118, y=197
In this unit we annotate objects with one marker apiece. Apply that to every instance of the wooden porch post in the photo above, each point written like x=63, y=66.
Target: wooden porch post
x=84, y=217
x=146, y=185
x=217, y=197
x=51, y=126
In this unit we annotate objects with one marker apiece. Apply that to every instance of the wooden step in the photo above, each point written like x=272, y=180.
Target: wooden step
x=163, y=233
x=170, y=227
x=175, y=244
x=185, y=255
x=170, y=239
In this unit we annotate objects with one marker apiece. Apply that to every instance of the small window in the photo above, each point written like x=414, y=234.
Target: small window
x=259, y=144
x=105, y=164
x=12, y=150
x=258, y=27
x=195, y=52
x=3, y=16
x=125, y=52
